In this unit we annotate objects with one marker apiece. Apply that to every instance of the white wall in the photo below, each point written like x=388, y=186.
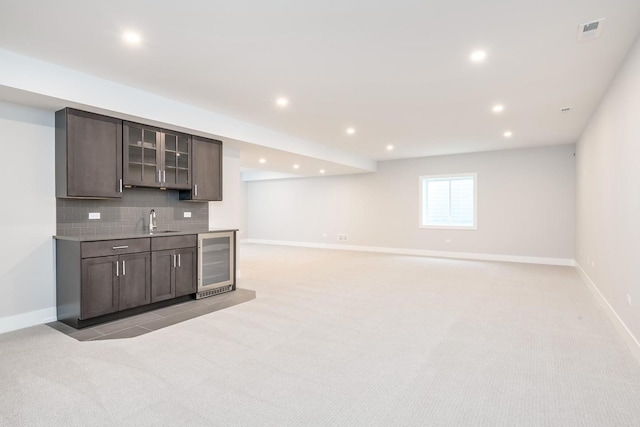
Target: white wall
x=608, y=195
x=526, y=205
x=27, y=217
x=227, y=213
x=244, y=211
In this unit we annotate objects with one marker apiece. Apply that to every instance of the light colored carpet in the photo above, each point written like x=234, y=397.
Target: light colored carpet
x=349, y=339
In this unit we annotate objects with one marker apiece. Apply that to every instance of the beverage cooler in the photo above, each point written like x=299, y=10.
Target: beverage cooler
x=216, y=263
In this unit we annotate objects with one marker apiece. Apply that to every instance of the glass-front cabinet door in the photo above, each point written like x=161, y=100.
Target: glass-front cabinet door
x=156, y=157
x=177, y=161
x=142, y=155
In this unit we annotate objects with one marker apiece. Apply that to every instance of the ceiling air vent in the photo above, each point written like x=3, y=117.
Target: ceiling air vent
x=590, y=30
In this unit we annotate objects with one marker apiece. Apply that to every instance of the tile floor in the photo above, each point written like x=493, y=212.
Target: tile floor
x=157, y=319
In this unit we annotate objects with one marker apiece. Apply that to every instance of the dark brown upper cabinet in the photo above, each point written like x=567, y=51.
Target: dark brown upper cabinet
x=206, y=171
x=88, y=155
x=155, y=157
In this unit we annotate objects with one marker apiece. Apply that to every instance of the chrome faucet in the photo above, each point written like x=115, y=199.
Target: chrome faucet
x=152, y=221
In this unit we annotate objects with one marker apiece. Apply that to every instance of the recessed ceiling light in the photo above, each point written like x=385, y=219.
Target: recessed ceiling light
x=132, y=38
x=282, y=102
x=508, y=134
x=263, y=160
x=351, y=131
x=321, y=170
x=478, y=56
x=498, y=108
x=296, y=166
x=389, y=147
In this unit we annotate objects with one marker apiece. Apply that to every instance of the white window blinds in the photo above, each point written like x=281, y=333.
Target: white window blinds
x=448, y=201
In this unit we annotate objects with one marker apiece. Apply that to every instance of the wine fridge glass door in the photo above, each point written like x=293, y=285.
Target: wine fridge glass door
x=215, y=266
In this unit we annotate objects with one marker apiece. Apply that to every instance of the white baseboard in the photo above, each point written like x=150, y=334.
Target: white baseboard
x=24, y=320
x=421, y=252
x=617, y=321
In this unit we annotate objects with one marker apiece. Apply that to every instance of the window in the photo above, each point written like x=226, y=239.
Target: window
x=448, y=201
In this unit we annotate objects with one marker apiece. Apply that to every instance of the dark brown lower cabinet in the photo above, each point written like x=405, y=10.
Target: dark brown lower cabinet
x=97, y=280
x=99, y=286
x=135, y=280
x=187, y=271
x=114, y=283
x=173, y=273
x=161, y=275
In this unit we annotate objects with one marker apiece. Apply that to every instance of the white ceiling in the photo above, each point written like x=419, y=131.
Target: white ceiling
x=399, y=72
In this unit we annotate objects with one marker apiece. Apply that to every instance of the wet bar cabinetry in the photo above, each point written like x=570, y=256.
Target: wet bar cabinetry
x=101, y=280
x=99, y=156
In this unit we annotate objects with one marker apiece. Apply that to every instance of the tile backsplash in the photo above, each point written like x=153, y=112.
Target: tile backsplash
x=130, y=214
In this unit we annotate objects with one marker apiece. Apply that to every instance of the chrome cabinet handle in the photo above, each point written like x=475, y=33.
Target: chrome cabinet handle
x=117, y=269
x=159, y=172
x=196, y=189
x=174, y=260
x=124, y=268
x=178, y=260
x=120, y=247
x=121, y=185
x=164, y=176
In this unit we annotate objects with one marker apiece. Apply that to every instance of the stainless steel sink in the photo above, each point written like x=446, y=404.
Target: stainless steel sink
x=161, y=232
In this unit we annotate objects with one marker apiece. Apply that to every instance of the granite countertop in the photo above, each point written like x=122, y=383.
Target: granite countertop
x=140, y=235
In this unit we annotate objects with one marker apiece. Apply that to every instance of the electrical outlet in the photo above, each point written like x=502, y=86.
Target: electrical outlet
x=629, y=299
x=343, y=237
x=94, y=215
x=187, y=214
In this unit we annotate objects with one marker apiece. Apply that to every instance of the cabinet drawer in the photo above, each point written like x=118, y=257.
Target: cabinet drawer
x=174, y=242
x=114, y=247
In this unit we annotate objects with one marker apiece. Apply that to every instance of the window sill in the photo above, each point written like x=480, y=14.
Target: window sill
x=449, y=227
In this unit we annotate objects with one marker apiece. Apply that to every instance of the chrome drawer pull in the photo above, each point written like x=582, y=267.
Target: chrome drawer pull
x=124, y=268
x=120, y=247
